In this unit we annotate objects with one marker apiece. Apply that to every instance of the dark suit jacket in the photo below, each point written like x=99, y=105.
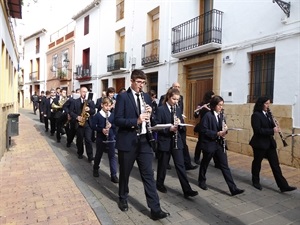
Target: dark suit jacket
x=126, y=115
x=99, y=123
x=75, y=109
x=209, y=128
x=165, y=137
x=47, y=108
x=262, y=132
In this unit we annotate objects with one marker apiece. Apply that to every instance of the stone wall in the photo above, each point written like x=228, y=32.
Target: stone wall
x=239, y=116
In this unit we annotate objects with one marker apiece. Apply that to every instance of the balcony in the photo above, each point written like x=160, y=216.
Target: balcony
x=198, y=35
x=83, y=72
x=33, y=76
x=150, y=53
x=116, y=62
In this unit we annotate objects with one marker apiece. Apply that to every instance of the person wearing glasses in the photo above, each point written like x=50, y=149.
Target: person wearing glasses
x=213, y=130
x=133, y=145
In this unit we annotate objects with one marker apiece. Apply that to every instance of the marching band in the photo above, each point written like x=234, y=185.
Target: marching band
x=77, y=115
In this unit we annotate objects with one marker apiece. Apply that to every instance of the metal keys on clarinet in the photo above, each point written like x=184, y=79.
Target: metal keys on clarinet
x=176, y=122
x=224, y=128
x=107, y=127
x=148, y=123
x=277, y=125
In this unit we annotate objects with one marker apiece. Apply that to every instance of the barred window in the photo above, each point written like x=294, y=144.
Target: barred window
x=262, y=75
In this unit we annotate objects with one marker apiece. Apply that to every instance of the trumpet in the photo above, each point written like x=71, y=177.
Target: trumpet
x=148, y=125
x=107, y=126
x=277, y=125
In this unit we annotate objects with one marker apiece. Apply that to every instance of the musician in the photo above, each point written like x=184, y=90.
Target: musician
x=264, y=145
x=70, y=125
x=84, y=132
x=49, y=113
x=44, y=110
x=213, y=132
x=186, y=153
x=35, y=102
x=170, y=143
x=42, y=98
x=59, y=113
x=103, y=124
x=132, y=144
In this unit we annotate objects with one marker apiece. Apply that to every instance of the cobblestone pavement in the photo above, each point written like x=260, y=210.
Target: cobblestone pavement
x=43, y=182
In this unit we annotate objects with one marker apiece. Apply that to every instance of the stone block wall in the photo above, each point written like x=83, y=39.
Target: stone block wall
x=239, y=116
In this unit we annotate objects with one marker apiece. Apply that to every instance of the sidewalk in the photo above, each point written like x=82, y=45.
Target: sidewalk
x=35, y=188
x=43, y=182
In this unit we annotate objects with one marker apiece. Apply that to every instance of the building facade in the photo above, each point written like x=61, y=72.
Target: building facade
x=9, y=64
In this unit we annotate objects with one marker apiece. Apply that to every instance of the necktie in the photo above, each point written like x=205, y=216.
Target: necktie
x=172, y=114
x=138, y=102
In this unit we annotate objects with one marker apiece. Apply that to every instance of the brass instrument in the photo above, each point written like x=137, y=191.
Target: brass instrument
x=61, y=102
x=277, y=125
x=148, y=125
x=175, y=136
x=107, y=126
x=84, y=114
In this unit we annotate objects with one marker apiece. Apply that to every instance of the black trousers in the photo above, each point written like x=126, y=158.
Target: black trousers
x=271, y=156
x=71, y=131
x=219, y=153
x=163, y=159
x=84, y=133
x=143, y=155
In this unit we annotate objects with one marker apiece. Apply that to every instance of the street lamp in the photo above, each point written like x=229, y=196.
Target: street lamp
x=66, y=63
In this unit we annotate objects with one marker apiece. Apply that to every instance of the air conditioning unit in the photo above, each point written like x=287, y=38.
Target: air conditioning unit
x=228, y=58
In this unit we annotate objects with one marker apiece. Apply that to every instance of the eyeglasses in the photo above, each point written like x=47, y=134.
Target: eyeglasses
x=140, y=82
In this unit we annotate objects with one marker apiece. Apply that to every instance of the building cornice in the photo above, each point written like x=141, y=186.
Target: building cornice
x=94, y=4
x=42, y=31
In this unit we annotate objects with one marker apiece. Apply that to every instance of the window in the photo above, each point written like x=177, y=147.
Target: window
x=64, y=70
x=54, y=63
x=86, y=25
x=262, y=75
x=120, y=9
x=37, y=45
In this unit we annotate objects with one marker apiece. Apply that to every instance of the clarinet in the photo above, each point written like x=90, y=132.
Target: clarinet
x=148, y=125
x=175, y=136
x=223, y=128
x=107, y=123
x=277, y=125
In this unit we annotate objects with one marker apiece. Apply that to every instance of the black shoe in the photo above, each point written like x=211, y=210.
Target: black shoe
x=169, y=167
x=80, y=157
x=237, y=192
x=159, y=215
x=288, y=188
x=161, y=188
x=191, y=167
x=95, y=173
x=202, y=186
x=114, y=179
x=91, y=159
x=123, y=205
x=190, y=193
x=68, y=145
x=58, y=141
x=197, y=161
x=257, y=186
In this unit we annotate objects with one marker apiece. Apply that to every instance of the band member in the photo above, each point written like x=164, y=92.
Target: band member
x=187, y=159
x=170, y=143
x=264, y=145
x=99, y=101
x=71, y=124
x=49, y=112
x=44, y=110
x=60, y=115
x=132, y=144
x=42, y=97
x=35, y=102
x=81, y=110
x=213, y=131
x=103, y=124
x=201, y=110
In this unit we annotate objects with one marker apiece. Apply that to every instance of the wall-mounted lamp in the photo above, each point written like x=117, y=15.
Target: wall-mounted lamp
x=66, y=63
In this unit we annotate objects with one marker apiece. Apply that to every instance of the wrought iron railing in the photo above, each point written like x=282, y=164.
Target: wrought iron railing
x=33, y=76
x=150, y=52
x=116, y=61
x=83, y=71
x=201, y=30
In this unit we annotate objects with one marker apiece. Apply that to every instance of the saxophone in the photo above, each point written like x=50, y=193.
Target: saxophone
x=84, y=114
